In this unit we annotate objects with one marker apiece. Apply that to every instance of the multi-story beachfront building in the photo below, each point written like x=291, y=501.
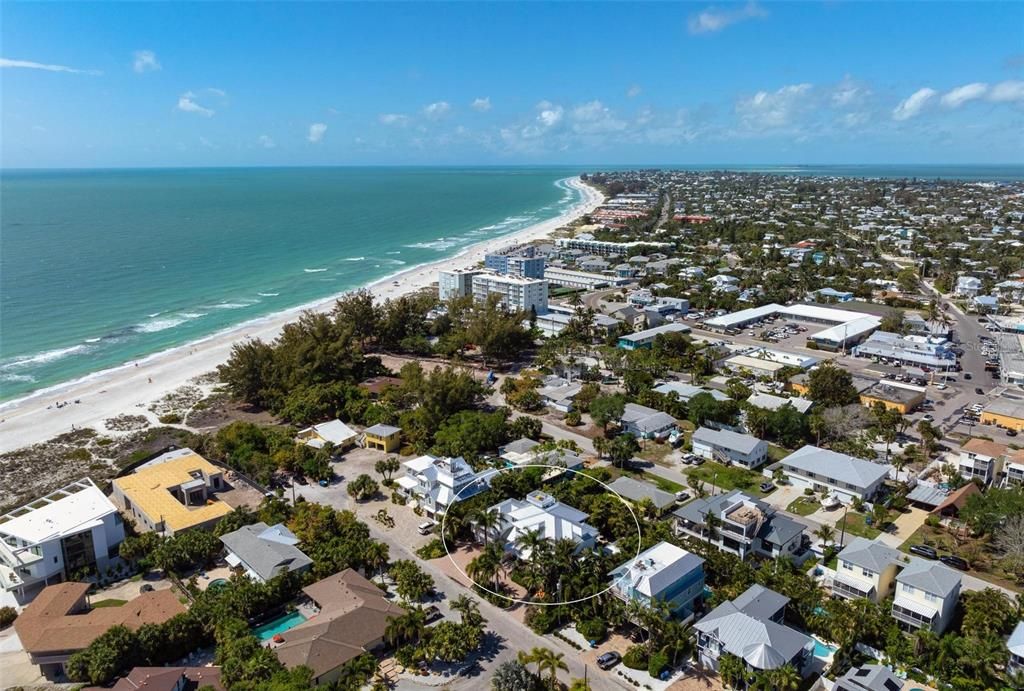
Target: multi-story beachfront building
x=521, y=260
x=514, y=292
x=73, y=529
x=455, y=283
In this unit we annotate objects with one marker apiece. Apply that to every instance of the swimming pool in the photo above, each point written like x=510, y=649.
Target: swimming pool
x=822, y=650
x=266, y=631
x=217, y=583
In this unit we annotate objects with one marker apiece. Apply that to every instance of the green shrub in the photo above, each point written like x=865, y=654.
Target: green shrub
x=170, y=419
x=636, y=657
x=657, y=663
x=592, y=629
x=7, y=616
x=432, y=550
x=542, y=620
x=808, y=492
x=573, y=418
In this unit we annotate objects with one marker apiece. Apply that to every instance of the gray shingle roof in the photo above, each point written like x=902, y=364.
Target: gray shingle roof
x=760, y=602
x=871, y=555
x=635, y=490
x=932, y=577
x=869, y=678
x=779, y=530
x=264, y=548
x=743, y=443
x=837, y=466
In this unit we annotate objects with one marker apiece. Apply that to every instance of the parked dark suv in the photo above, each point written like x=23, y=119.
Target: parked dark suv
x=924, y=551
x=955, y=561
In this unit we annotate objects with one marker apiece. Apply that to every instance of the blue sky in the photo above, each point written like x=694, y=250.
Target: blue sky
x=169, y=84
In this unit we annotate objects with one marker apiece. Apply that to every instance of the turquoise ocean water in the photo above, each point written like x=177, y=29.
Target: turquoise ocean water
x=99, y=268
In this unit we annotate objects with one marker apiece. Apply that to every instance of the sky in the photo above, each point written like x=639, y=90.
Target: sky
x=87, y=85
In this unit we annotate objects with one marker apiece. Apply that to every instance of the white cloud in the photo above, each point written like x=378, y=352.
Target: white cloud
x=849, y=93
x=550, y=114
x=207, y=143
x=28, y=64
x=266, y=142
x=393, y=119
x=187, y=103
x=595, y=118
x=633, y=91
x=714, y=19
x=962, y=94
x=772, y=109
x=216, y=92
x=1007, y=92
x=145, y=61
x=913, y=104
x=481, y=105
x=316, y=132
x=436, y=111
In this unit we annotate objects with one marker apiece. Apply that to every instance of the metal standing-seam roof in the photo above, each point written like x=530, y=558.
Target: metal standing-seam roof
x=723, y=438
x=871, y=555
x=932, y=577
x=635, y=490
x=837, y=466
x=265, y=549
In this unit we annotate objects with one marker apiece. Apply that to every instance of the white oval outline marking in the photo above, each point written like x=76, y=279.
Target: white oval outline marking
x=494, y=471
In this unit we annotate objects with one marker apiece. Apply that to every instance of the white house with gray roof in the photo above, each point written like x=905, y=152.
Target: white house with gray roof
x=264, y=551
x=740, y=525
x=437, y=483
x=542, y=514
x=663, y=573
x=844, y=476
x=725, y=446
x=926, y=595
x=867, y=569
x=740, y=628
x=646, y=423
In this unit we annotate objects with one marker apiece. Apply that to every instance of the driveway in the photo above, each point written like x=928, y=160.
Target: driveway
x=905, y=525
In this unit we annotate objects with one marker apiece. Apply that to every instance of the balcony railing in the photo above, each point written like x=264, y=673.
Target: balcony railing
x=908, y=616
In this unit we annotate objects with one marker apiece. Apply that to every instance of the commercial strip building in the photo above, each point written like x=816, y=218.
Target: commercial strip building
x=68, y=531
x=664, y=573
x=607, y=249
x=917, y=351
x=844, y=327
x=173, y=492
x=60, y=622
x=645, y=339
x=581, y=280
x=822, y=470
x=1005, y=412
x=894, y=396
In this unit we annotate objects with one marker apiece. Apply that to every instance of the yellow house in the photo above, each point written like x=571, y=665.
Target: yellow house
x=173, y=492
x=892, y=397
x=1005, y=412
x=382, y=437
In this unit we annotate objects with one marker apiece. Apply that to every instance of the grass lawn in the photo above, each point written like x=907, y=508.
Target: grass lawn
x=855, y=525
x=728, y=477
x=112, y=602
x=656, y=453
x=662, y=483
x=986, y=567
x=777, y=453
x=804, y=506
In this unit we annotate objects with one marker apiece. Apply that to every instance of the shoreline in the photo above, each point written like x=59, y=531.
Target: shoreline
x=125, y=388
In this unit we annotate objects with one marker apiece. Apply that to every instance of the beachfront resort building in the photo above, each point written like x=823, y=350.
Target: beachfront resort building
x=518, y=260
x=514, y=292
x=437, y=483
x=606, y=249
x=263, y=551
x=823, y=470
x=543, y=515
x=175, y=491
x=750, y=628
x=60, y=622
x=350, y=615
x=72, y=530
x=926, y=596
x=728, y=447
x=455, y=283
x=739, y=524
x=663, y=573
x=581, y=280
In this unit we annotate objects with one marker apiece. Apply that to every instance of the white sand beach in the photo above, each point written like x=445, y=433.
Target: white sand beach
x=132, y=387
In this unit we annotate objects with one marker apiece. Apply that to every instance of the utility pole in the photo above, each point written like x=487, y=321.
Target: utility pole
x=842, y=537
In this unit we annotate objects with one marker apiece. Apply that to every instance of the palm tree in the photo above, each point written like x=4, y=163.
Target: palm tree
x=407, y=627
x=376, y=558
x=546, y=660
x=528, y=542
x=732, y=670
x=826, y=534
x=486, y=521
x=786, y=678
x=468, y=610
x=484, y=568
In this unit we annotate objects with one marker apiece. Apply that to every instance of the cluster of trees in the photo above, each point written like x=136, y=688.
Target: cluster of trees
x=336, y=540
x=997, y=516
x=447, y=641
x=786, y=425
x=260, y=450
x=176, y=554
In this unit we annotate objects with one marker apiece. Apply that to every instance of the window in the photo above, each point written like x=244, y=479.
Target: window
x=848, y=566
x=930, y=597
x=907, y=588
x=869, y=574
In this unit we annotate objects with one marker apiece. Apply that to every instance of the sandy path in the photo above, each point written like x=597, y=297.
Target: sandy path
x=131, y=388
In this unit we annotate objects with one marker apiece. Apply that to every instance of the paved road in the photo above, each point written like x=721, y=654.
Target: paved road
x=509, y=636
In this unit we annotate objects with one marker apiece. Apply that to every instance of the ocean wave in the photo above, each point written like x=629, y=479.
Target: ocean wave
x=395, y=252
x=25, y=378
x=268, y=295
x=168, y=322
x=234, y=305
x=355, y=259
x=314, y=271
x=439, y=245
x=93, y=340
x=42, y=358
